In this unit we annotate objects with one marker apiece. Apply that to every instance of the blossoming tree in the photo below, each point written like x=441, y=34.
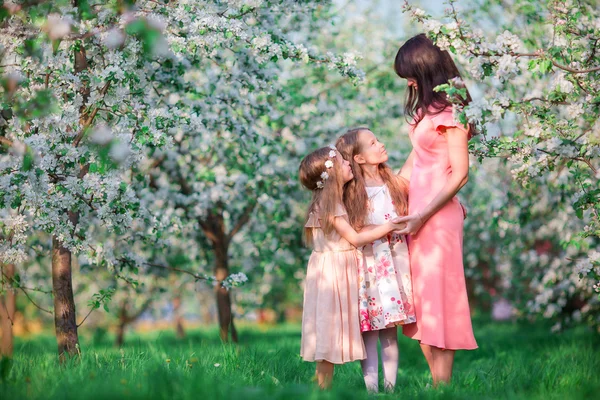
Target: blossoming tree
x=96, y=96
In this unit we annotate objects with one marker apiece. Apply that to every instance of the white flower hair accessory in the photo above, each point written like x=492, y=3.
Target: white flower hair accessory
x=328, y=164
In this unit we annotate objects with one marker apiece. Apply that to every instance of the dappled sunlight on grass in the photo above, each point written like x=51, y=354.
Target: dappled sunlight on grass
x=514, y=361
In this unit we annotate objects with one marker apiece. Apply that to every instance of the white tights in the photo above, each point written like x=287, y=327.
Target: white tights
x=389, y=359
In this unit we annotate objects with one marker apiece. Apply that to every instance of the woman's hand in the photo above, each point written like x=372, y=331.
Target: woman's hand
x=413, y=222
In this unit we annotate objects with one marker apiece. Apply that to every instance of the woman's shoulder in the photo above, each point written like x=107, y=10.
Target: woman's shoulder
x=435, y=112
x=443, y=119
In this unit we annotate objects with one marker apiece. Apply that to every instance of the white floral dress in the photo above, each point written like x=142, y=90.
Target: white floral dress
x=385, y=288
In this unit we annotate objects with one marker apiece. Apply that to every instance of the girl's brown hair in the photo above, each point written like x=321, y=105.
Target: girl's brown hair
x=420, y=59
x=326, y=201
x=355, y=193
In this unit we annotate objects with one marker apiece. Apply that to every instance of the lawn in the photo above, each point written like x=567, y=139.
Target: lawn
x=514, y=361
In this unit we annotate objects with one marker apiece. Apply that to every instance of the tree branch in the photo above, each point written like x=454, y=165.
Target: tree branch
x=243, y=220
x=530, y=100
x=208, y=231
x=91, y=310
x=33, y=302
x=583, y=160
x=12, y=281
x=90, y=118
x=537, y=54
x=197, y=277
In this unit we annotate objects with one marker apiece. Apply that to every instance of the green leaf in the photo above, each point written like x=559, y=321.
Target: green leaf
x=487, y=69
x=27, y=161
x=532, y=64
x=4, y=14
x=545, y=66
x=55, y=45
x=17, y=200
x=136, y=27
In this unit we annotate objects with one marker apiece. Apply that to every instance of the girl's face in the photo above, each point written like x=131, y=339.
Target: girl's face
x=372, y=151
x=347, y=174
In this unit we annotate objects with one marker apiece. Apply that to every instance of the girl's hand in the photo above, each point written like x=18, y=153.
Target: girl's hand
x=397, y=227
x=413, y=222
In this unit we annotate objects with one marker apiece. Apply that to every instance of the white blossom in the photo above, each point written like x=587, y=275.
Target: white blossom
x=57, y=26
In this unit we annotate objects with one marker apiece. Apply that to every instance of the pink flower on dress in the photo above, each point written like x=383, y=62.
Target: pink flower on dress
x=365, y=325
x=376, y=312
x=382, y=268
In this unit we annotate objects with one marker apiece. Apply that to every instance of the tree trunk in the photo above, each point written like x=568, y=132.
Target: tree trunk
x=120, y=339
x=214, y=229
x=64, y=304
x=7, y=314
x=62, y=280
x=223, y=297
x=123, y=321
x=178, y=317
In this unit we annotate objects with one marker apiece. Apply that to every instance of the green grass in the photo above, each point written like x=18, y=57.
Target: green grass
x=513, y=361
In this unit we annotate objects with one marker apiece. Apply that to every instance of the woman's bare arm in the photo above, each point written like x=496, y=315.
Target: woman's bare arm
x=458, y=155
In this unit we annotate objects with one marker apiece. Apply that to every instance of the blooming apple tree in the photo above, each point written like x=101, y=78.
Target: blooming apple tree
x=107, y=107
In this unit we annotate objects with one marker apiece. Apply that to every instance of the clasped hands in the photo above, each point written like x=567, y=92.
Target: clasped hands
x=414, y=222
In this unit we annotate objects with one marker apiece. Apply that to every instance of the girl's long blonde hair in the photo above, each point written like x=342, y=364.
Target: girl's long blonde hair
x=327, y=200
x=355, y=194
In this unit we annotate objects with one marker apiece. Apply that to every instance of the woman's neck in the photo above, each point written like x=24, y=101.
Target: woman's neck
x=372, y=175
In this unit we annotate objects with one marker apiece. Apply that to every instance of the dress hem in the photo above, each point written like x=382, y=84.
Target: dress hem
x=319, y=359
x=441, y=347
x=390, y=325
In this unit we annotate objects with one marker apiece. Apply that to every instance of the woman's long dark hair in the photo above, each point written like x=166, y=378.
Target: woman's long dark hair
x=420, y=59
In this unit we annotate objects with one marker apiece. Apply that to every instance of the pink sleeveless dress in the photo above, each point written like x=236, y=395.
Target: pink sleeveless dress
x=436, y=251
x=330, y=326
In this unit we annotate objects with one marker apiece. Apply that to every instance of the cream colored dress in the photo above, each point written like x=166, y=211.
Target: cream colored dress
x=385, y=287
x=330, y=319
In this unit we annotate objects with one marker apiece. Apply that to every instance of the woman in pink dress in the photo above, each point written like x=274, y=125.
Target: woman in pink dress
x=437, y=168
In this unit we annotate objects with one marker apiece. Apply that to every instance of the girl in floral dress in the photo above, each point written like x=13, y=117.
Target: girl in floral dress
x=330, y=325
x=376, y=196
